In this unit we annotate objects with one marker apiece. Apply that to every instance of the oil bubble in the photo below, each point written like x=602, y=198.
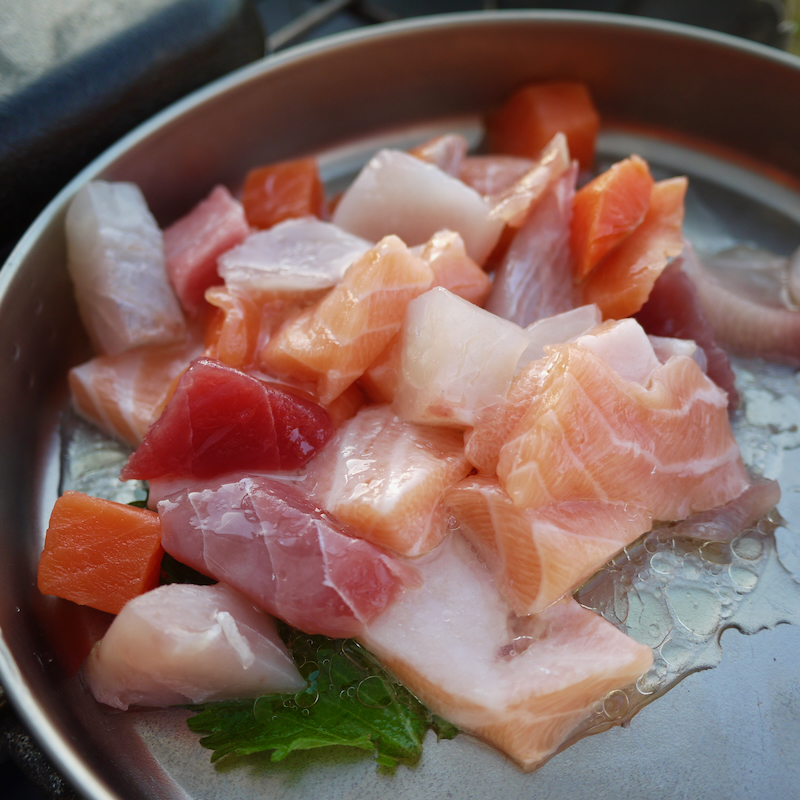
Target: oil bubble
x=306, y=699
x=374, y=692
x=648, y=683
x=616, y=704
x=664, y=562
x=748, y=547
x=715, y=553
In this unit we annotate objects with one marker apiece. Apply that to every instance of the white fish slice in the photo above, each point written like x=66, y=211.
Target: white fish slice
x=116, y=261
x=182, y=643
x=558, y=329
x=400, y=194
x=457, y=360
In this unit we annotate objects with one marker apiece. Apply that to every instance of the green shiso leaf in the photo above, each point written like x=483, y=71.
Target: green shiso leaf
x=350, y=701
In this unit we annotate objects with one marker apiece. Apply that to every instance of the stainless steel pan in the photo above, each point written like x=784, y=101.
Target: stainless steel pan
x=721, y=109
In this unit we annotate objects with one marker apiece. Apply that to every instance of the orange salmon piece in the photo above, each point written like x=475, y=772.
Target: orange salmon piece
x=346, y=405
x=99, y=553
x=233, y=329
x=533, y=115
x=385, y=477
x=621, y=283
x=330, y=345
x=483, y=442
x=454, y=269
x=123, y=394
x=589, y=434
x=607, y=210
x=282, y=191
x=540, y=555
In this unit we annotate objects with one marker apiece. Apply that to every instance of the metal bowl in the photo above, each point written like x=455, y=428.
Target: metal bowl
x=723, y=109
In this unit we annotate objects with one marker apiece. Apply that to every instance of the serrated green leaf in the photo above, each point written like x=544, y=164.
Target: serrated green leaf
x=350, y=701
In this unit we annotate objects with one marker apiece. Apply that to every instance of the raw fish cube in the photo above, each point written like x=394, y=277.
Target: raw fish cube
x=193, y=244
x=331, y=344
x=274, y=545
x=189, y=644
x=398, y=194
x=457, y=360
x=385, y=477
x=116, y=262
x=522, y=684
x=284, y=190
x=539, y=556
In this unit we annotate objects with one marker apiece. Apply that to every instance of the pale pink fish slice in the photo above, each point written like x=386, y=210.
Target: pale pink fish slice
x=514, y=203
x=385, y=477
x=123, y=394
x=745, y=322
x=725, y=523
x=451, y=643
x=665, y=347
x=189, y=644
x=457, y=360
x=398, y=194
x=294, y=256
x=193, y=243
x=673, y=309
x=589, y=434
x=446, y=152
x=558, y=329
x=453, y=269
x=535, y=278
x=334, y=342
x=269, y=541
x=493, y=174
x=538, y=556
x=116, y=262
x=625, y=347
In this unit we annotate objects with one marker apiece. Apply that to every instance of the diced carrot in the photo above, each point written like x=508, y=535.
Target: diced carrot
x=607, y=210
x=530, y=118
x=284, y=190
x=620, y=284
x=99, y=553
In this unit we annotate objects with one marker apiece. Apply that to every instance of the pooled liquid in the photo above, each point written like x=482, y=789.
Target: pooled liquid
x=677, y=595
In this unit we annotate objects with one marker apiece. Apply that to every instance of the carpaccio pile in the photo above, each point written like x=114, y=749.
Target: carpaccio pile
x=422, y=420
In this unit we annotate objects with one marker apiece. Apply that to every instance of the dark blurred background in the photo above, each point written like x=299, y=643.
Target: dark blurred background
x=75, y=75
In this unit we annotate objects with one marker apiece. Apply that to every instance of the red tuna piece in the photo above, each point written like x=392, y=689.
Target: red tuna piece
x=193, y=244
x=221, y=420
x=673, y=309
x=272, y=543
